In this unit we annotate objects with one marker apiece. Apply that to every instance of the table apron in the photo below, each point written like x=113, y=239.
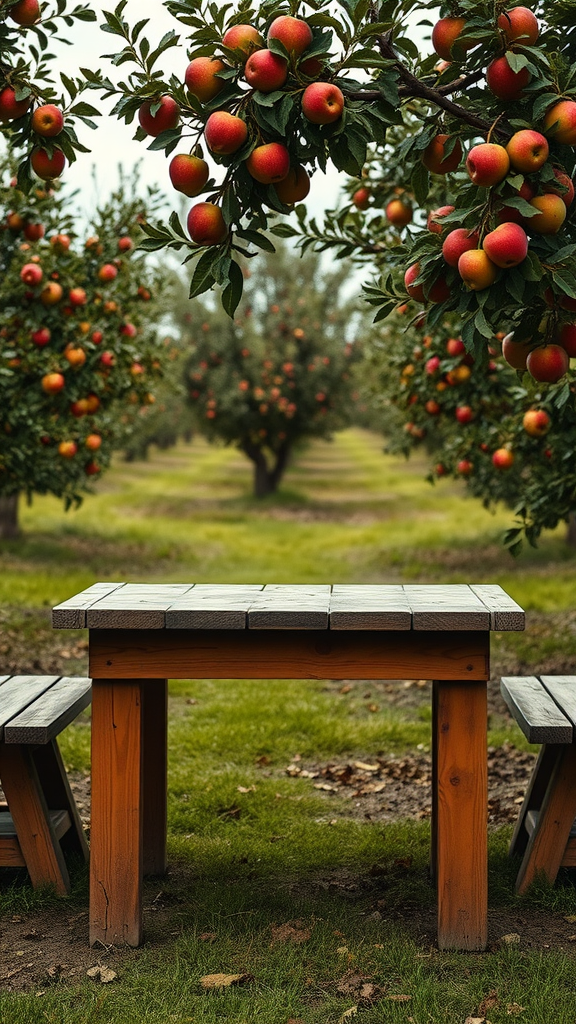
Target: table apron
x=289, y=654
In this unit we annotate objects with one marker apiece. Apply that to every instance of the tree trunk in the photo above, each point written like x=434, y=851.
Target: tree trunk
x=266, y=479
x=9, y=528
x=571, y=531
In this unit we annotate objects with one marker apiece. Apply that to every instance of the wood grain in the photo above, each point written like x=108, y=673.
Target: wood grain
x=462, y=813
x=154, y=774
x=57, y=793
x=562, y=689
x=71, y=614
x=50, y=713
x=505, y=614
x=18, y=692
x=547, y=844
x=116, y=830
x=290, y=607
x=275, y=654
x=537, y=714
x=534, y=796
x=369, y=607
x=449, y=607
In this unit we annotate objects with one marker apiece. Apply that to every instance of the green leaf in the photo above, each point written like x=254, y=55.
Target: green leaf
x=420, y=182
x=203, y=276
x=233, y=292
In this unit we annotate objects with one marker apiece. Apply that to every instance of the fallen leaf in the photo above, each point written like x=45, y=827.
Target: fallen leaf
x=244, y=789
x=345, y=689
x=569, y=917
x=512, y=939
x=489, y=1002
x=295, y=932
x=208, y=937
x=351, y=983
x=514, y=1009
x=262, y=762
x=475, y=1020
x=399, y=999
x=225, y=980
x=373, y=708
x=348, y=1014
x=366, y=767
x=102, y=974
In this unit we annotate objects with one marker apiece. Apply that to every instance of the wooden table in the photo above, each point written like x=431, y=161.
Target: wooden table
x=140, y=635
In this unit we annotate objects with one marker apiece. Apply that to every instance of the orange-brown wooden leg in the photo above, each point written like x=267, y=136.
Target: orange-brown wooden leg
x=154, y=774
x=546, y=846
x=56, y=789
x=549, y=753
x=462, y=811
x=116, y=824
x=434, y=819
x=38, y=843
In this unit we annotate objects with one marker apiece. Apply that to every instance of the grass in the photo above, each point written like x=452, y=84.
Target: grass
x=276, y=851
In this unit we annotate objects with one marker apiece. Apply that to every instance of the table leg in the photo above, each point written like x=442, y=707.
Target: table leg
x=461, y=804
x=116, y=822
x=154, y=773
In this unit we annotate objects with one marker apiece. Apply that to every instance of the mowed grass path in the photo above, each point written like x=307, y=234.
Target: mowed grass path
x=250, y=848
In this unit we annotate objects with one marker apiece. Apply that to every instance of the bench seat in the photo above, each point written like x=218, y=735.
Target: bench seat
x=545, y=832
x=40, y=819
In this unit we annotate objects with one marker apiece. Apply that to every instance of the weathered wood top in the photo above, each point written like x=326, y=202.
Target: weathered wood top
x=544, y=708
x=35, y=709
x=275, y=606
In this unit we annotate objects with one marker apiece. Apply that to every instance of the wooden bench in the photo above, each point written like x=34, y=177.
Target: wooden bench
x=545, y=833
x=40, y=819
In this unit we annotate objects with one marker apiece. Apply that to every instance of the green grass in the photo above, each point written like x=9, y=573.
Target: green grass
x=244, y=862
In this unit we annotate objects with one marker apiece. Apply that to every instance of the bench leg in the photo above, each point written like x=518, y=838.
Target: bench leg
x=154, y=774
x=546, y=846
x=38, y=843
x=116, y=826
x=58, y=794
x=534, y=796
x=461, y=806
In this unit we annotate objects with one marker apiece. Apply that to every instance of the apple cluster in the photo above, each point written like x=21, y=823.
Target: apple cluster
x=231, y=134
x=524, y=191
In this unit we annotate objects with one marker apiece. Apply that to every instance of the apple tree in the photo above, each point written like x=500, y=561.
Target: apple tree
x=280, y=371
x=75, y=341
x=38, y=114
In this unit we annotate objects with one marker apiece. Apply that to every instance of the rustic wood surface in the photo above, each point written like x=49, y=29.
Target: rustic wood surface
x=50, y=713
x=534, y=796
x=537, y=714
x=547, y=844
x=563, y=690
x=18, y=692
x=281, y=606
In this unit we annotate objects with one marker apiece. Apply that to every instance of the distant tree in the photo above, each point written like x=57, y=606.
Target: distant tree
x=280, y=371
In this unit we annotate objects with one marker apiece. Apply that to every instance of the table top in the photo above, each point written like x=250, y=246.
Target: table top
x=278, y=606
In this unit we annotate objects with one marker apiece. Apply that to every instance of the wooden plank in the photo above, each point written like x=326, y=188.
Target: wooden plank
x=462, y=813
x=3, y=679
x=562, y=689
x=135, y=606
x=154, y=774
x=451, y=607
x=278, y=654
x=50, y=713
x=18, y=692
x=212, y=607
x=534, y=796
x=546, y=846
x=369, y=607
x=505, y=614
x=71, y=614
x=539, y=717
x=532, y=821
x=116, y=829
x=36, y=836
x=290, y=607
x=57, y=793
x=60, y=823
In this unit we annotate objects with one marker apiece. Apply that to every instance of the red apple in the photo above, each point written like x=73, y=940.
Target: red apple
x=60, y=243
x=31, y=274
x=294, y=187
x=487, y=164
x=51, y=293
x=516, y=352
x=129, y=330
x=163, y=119
x=503, y=458
x=455, y=347
x=125, y=243
x=188, y=173
x=77, y=297
x=92, y=468
x=93, y=442
x=464, y=467
x=92, y=404
x=47, y=120
x=41, y=337
x=432, y=365
x=536, y=422
x=361, y=198
x=75, y=356
x=566, y=337
x=201, y=78
x=566, y=196
x=107, y=272
x=10, y=107
x=294, y=33
x=434, y=156
x=25, y=12
x=477, y=270
x=507, y=245
x=435, y=216
x=445, y=33
x=510, y=213
x=52, y=383
x=415, y=291
x=528, y=151
x=322, y=103
x=269, y=163
x=548, y=363
x=504, y=83
x=266, y=71
x=243, y=37
x=464, y=413
x=458, y=241
x=206, y=225
x=519, y=24
x=67, y=449
x=47, y=167
x=33, y=232
x=560, y=122
x=108, y=359
x=399, y=213
x=97, y=337
x=225, y=133
x=550, y=217
x=432, y=407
